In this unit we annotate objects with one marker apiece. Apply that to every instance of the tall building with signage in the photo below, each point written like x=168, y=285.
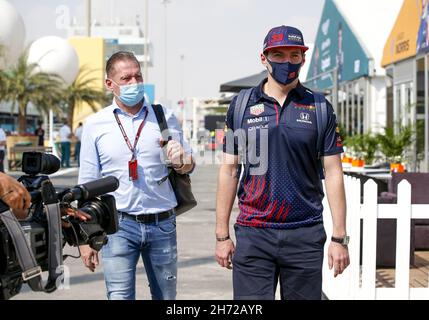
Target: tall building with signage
x=346, y=60
x=406, y=61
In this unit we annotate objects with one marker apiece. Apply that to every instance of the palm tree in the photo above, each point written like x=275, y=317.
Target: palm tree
x=80, y=91
x=2, y=84
x=2, y=75
x=24, y=84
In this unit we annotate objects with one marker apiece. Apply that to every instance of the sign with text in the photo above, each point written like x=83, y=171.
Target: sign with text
x=338, y=47
x=409, y=34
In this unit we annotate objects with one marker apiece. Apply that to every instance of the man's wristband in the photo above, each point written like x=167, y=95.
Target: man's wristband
x=222, y=239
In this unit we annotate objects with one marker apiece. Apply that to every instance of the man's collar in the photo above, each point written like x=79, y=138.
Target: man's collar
x=138, y=114
x=299, y=89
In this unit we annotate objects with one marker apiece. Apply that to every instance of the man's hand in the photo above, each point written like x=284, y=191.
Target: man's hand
x=175, y=153
x=14, y=195
x=89, y=257
x=72, y=212
x=224, y=253
x=338, y=257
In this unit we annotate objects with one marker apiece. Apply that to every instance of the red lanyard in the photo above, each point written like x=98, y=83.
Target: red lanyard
x=132, y=148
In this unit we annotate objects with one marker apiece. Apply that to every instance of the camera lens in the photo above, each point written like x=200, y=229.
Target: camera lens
x=96, y=210
x=34, y=163
x=50, y=163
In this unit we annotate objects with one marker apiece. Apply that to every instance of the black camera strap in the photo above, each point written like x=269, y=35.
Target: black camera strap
x=53, y=214
x=55, y=256
x=31, y=271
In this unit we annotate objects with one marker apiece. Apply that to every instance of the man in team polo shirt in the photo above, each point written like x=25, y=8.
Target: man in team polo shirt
x=279, y=229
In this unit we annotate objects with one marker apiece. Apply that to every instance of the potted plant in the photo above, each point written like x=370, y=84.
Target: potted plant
x=347, y=156
x=395, y=146
x=369, y=146
x=355, y=150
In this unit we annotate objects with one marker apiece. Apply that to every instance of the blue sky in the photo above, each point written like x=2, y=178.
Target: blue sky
x=220, y=39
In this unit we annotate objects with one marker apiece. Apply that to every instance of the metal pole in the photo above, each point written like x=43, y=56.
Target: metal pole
x=426, y=121
x=51, y=133
x=165, y=3
x=184, y=122
x=146, y=44
x=335, y=90
x=195, y=121
x=182, y=72
x=88, y=18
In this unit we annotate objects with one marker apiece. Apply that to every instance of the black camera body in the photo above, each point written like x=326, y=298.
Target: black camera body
x=91, y=198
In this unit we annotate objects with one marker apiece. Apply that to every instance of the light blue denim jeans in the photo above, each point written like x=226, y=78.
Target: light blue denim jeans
x=156, y=243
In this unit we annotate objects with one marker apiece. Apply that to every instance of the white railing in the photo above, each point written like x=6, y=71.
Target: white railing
x=359, y=282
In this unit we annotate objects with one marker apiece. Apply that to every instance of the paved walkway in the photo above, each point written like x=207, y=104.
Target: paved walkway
x=199, y=276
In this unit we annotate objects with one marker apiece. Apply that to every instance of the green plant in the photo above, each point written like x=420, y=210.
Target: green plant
x=23, y=83
x=2, y=84
x=362, y=146
x=2, y=74
x=370, y=145
x=82, y=90
x=395, y=146
x=354, y=146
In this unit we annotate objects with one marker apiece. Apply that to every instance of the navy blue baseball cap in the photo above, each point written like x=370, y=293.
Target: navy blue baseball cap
x=284, y=36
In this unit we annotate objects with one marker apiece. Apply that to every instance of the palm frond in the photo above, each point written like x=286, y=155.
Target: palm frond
x=25, y=83
x=83, y=90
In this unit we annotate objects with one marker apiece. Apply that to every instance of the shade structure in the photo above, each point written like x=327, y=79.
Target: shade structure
x=243, y=83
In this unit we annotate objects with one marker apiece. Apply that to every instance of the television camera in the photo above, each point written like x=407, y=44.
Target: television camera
x=33, y=245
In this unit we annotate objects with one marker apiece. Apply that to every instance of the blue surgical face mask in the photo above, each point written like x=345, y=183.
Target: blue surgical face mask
x=131, y=94
x=285, y=73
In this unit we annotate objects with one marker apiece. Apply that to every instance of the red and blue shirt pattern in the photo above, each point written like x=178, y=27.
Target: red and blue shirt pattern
x=289, y=194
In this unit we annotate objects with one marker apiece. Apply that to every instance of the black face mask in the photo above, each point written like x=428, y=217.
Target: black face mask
x=285, y=73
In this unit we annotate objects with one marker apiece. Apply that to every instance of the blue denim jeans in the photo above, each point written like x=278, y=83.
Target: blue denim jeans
x=65, y=154
x=77, y=152
x=156, y=243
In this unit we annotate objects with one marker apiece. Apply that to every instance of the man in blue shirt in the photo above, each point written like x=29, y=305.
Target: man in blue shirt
x=279, y=229
x=124, y=140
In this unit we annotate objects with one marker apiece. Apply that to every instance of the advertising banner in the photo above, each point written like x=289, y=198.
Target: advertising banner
x=409, y=34
x=338, y=47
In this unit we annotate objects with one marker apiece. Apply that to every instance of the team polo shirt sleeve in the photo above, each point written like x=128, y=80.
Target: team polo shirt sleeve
x=333, y=143
x=230, y=145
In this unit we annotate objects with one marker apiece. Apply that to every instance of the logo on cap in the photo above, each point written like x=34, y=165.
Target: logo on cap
x=277, y=37
x=294, y=37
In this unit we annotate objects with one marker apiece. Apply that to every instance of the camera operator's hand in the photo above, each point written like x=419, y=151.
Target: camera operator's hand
x=72, y=212
x=15, y=196
x=89, y=257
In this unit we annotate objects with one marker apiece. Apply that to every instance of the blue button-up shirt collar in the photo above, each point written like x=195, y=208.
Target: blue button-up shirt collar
x=104, y=152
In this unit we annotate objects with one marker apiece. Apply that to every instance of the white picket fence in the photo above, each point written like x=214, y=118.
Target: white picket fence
x=359, y=282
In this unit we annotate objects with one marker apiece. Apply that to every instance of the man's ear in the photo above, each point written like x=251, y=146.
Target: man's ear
x=109, y=84
x=264, y=60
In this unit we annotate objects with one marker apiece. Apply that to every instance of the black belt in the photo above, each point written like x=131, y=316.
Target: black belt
x=148, y=218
